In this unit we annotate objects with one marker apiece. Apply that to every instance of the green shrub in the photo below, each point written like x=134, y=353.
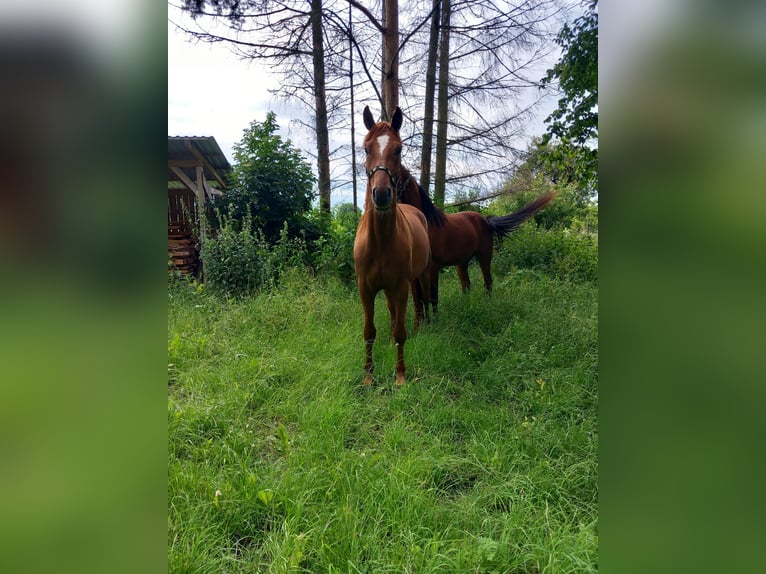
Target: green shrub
x=271, y=182
x=333, y=252
x=563, y=253
x=286, y=253
x=237, y=262
x=567, y=209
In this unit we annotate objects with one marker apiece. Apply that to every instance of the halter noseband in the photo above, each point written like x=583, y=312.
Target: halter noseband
x=394, y=180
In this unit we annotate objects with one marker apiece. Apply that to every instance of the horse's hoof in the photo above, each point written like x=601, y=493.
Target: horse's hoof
x=367, y=380
x=400, y=380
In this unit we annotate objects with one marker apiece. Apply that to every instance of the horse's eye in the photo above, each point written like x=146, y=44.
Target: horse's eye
x=398, y=151
x=366, y=150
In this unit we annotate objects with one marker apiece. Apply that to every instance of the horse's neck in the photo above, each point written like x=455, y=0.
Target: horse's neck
x=382, y=227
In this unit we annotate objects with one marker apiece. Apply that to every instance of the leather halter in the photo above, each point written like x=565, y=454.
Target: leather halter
x=395, y=181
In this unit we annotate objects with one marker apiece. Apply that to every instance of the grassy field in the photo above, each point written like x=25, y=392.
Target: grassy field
x=280, y=461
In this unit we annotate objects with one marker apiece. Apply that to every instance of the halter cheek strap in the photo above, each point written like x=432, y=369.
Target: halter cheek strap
x=402, y=187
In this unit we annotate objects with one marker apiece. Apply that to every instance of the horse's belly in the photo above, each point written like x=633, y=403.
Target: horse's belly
x=448, y=253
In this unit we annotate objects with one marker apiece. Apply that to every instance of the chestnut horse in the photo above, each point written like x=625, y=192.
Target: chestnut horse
x=391, y=250
x=458, y=237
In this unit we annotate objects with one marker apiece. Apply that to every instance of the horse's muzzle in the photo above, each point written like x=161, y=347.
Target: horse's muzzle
x=382, y=197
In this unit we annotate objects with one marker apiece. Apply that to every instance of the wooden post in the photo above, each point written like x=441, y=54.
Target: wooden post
x=201, y=215
x=442, y=112
x=353, y=111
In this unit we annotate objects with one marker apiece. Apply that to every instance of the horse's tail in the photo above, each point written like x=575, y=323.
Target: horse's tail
x=503, y=225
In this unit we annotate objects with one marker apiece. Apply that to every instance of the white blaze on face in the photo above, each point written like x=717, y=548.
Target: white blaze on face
x=382, y=143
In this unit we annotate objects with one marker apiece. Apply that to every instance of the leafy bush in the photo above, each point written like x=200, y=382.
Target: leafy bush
x=236, y=261
x=286, y=253
x=563, y=212
x=333, y=252
x=271, y=183
x=563, y=253
x=239, y=261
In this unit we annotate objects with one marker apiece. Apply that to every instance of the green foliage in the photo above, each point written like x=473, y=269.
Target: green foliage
x=333, y=252
x=562, y=239
x=236, y=261
x=286, y=254
x=239, y=261
x=465, y=200
x=571, y=209
x=560, y=252
x=574, y=123
x=564, y=212
x=271, y=182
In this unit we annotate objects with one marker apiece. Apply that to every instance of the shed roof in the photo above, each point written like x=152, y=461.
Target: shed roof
x=188, y=152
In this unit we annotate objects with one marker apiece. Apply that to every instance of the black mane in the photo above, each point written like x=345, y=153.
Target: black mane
x=434, y=215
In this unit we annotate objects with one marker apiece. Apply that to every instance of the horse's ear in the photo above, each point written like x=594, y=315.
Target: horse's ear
x=396, y=120
x=369, y=123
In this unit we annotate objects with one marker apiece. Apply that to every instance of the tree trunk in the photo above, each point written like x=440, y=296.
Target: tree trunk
x=440, y=177
x=353, y=112
x=428, y=120
x=323, y=138
x=390, y=57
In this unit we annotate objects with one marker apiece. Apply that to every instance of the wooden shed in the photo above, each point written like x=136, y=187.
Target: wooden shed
x=196, y=171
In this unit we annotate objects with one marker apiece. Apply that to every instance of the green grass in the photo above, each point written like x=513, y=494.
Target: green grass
x=486, y=461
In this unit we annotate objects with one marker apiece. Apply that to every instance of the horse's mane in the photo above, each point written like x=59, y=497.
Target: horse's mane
x=434, y=215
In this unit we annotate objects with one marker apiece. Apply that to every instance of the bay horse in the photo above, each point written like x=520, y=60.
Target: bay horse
x=391, y=249
x=456, y=238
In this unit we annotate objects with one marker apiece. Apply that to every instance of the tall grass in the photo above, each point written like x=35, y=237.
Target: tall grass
x=281, y=461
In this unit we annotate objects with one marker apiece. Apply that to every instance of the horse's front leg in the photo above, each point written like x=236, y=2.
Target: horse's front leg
x=392, y=316
x=368, y=304
x=418, y=302
x=398, y=300
x=425, y=291
x=421, y=297
x=434, y=287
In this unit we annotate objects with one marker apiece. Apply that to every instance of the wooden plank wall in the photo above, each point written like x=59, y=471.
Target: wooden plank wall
x=182, y=240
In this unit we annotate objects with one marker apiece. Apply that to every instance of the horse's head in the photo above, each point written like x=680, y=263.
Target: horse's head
x=383, y=163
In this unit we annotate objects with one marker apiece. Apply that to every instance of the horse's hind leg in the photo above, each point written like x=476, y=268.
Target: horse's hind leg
x=462, y=273
x=485, y=264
